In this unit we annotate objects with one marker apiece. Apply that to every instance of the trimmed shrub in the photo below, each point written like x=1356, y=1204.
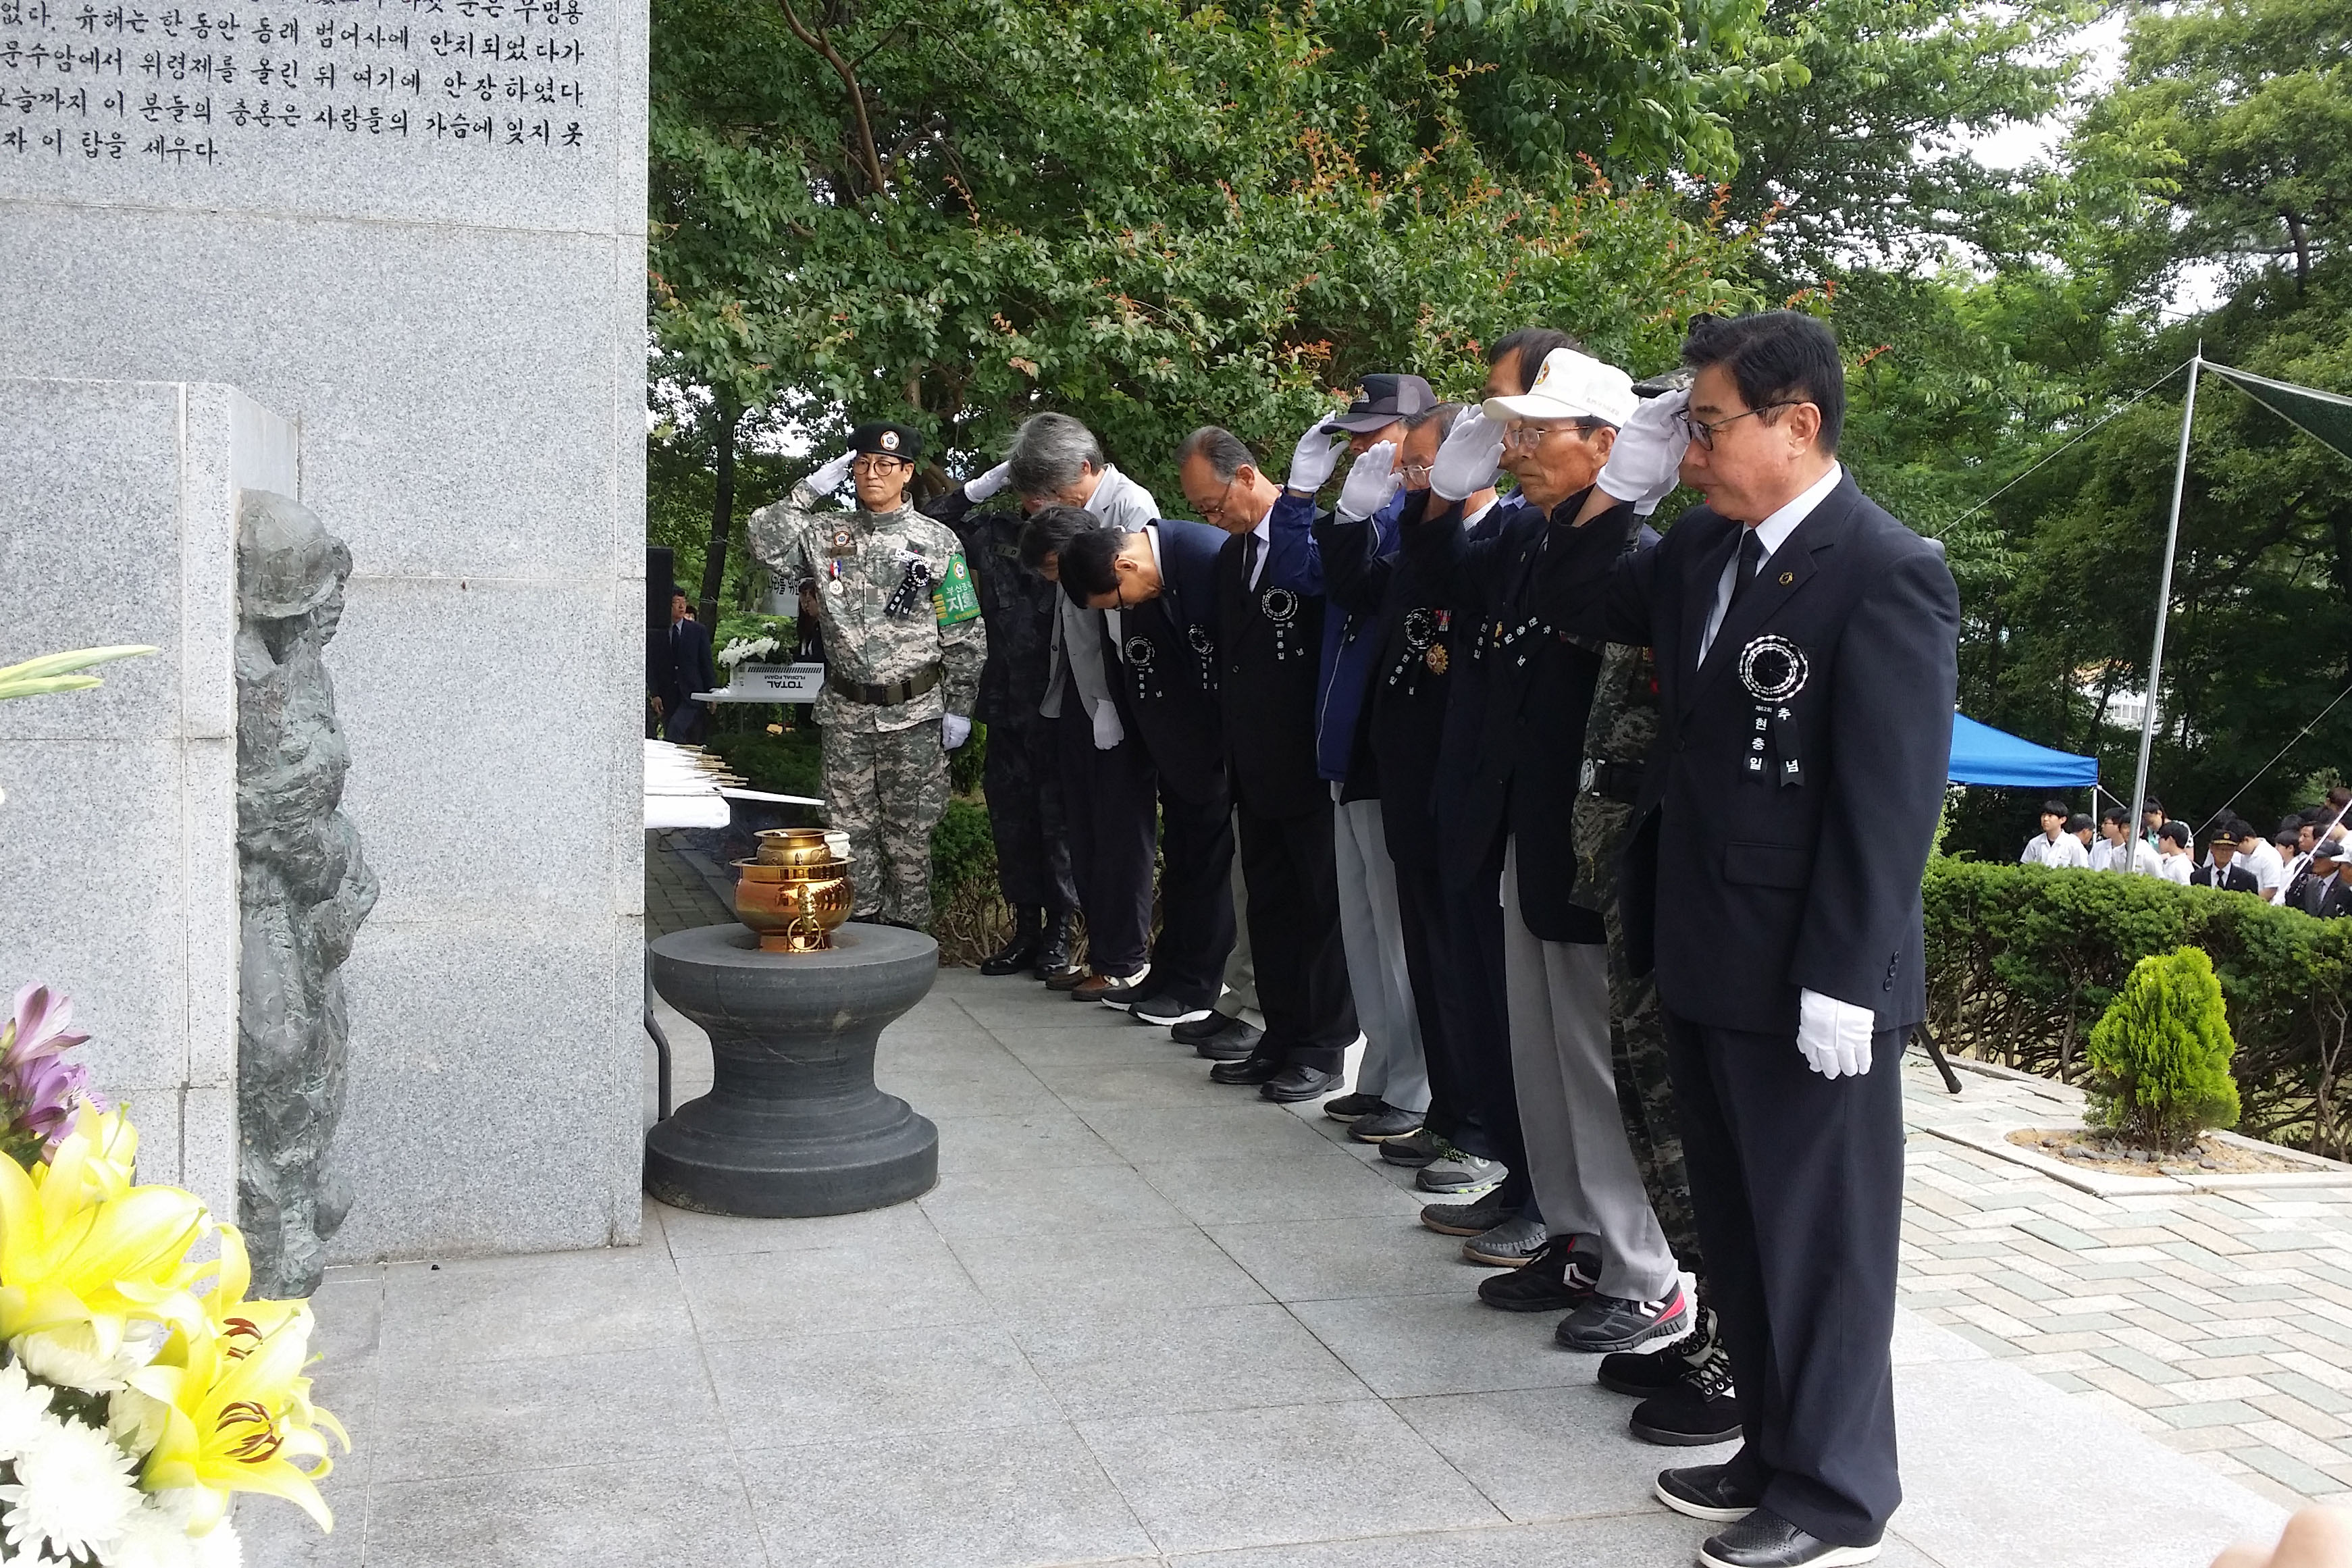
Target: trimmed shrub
x=2022, y=962
x=2160, y=1059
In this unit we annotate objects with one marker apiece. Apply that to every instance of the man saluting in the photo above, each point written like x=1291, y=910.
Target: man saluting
x=903, y=647
x=1805, y=647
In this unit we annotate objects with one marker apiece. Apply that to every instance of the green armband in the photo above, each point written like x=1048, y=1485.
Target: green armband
x=953, y=598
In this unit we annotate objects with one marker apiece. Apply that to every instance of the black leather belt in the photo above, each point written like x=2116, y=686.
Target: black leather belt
x=888, y=696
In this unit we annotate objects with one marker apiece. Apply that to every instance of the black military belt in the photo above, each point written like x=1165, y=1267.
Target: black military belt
x=1614, y=781
x=888, y=696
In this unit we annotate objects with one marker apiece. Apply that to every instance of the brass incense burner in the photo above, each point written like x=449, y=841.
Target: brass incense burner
x=797, y=892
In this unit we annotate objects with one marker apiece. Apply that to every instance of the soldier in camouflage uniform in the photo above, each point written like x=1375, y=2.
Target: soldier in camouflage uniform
x=1686, y=1385
x=904, y=644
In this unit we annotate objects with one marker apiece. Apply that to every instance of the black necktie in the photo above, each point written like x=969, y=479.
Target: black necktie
x=1249, y=560
x=1751, y=556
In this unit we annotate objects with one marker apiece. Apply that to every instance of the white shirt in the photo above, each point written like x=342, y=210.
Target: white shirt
x=2263, y=861
x=1264, y=534
x=2175, y=867
x=1773, y=532
x=2065, y=852
x=1120, y=502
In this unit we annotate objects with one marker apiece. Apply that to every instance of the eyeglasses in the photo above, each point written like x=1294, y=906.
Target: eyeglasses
x=1210, y=512
x=1417, y=473
x=1702, y=435
x=874, y=463
x=1528, y=436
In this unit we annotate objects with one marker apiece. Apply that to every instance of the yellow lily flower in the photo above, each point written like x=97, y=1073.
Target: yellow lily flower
x=238, y=1415
x=79, y=1245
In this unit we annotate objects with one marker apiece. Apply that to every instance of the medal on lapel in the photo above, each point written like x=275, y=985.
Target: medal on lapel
x=1280, y=606
x=1420, y=632
x=832, y=578
x=1140, y=654
x=911, y=589
x=1774, y=671
x=1204, y=648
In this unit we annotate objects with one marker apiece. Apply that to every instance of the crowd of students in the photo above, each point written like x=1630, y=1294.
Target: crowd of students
x=2299, y=865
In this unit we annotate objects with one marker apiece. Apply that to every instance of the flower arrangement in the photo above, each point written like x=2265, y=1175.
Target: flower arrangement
x=139, y=1388
x=739, y=650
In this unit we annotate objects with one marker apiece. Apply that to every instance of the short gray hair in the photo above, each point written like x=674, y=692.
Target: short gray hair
x=1444, y=413
x=1225, y=452
x=1049, y=453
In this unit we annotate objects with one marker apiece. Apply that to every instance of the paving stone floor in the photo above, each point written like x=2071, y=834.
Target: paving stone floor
x=2219, y=1323
x=1140, y=1319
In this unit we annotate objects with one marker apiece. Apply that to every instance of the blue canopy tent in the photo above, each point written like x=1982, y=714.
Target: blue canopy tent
x=1984, y=755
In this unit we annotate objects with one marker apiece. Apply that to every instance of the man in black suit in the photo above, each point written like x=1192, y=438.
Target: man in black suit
x=1805, y=645
x=682, y=667
x=2225, y=872
x=1268, y=637
x=1158, y=588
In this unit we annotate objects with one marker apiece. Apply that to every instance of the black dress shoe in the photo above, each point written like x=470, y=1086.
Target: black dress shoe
x=1705, y=1491
x=1251, y=1068
x=1765, y=1539
x=1020, y=952
x=1230, y=1044
x=1642, y=1373
x=1296, y=1083
x=1054, y=945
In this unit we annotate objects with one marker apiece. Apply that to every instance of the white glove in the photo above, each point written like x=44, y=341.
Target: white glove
x=979, y=490
x=1646, y=462
x=1833, y=1034
x=1372, y=480
x=1108, y=732
x=954, y=729
x=1467, y=462
x=1317, y=458
x=827, y=479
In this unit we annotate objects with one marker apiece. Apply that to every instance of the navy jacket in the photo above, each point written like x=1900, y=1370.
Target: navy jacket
x=2236, y=879
x=1786, y=816
x=1163, y=664
x=1465, y=711
x=681, y=665
x=1539, y=677
x=1268, y=641
x=1349, y=651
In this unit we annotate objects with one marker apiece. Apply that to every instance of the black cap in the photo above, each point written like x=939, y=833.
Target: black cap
x=884, y=439
x=1383, y=399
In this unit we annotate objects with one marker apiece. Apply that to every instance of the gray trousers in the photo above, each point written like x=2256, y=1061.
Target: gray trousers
x=1372, y=933
x=1578, y=1158
x=1237, y=995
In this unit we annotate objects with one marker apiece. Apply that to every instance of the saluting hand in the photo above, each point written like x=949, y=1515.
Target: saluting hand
x=1316, y=458
x=1467, y=460
x=1833, y=1034
x=1646, y=462
x=977, y=490
x=827, y=479
x=1373, y=479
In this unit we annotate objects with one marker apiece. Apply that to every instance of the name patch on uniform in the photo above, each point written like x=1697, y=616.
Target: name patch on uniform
x=953, y=598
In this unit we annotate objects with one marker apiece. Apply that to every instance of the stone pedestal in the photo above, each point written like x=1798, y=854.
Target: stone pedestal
x=792, y=1124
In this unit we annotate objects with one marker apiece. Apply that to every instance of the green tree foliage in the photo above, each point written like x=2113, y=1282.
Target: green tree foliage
x=1151, y=214
x=2160, y=1059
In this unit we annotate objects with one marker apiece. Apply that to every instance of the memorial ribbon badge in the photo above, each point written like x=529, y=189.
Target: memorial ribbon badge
x=1281, y=607
x=1204, y=647
x=1774, y=671
x=912, y=589
x=1140, y=654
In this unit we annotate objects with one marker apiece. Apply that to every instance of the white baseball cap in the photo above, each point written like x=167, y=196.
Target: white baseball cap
x=1570, y=386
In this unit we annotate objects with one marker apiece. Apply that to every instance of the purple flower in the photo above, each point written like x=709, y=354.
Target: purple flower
x=41, y=1026
x=45, y=1093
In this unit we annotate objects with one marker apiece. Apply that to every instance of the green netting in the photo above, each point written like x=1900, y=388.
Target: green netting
x=2324, y=417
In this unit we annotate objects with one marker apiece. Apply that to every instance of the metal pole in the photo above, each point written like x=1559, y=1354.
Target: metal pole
x=2163, y=607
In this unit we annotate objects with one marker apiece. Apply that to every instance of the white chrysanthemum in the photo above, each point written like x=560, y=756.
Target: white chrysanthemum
x=23, y=1407
x=156, y=1537
x=69, y=1357
x=73, y=1492
x=218, y=1547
